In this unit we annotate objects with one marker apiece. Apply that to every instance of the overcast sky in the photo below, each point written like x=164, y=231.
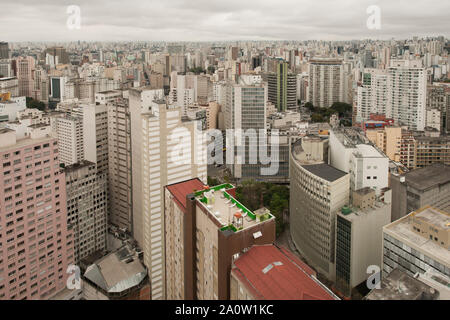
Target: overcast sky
x=205, y=20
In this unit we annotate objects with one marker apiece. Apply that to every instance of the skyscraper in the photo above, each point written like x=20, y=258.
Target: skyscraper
x=119, y=164
x=86, y=208
x=165, y=149
x=326, y=82
x=25, y=73
x=282, y=87
x=4, y=50
x=36, y=244
x=245, y=109
x=407, y=85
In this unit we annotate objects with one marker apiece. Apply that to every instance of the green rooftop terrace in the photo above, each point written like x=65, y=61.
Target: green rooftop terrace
x=232, y=214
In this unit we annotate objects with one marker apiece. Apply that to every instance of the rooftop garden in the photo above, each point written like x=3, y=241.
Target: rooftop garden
x=245, y=210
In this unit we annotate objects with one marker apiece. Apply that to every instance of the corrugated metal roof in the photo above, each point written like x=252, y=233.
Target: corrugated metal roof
x=285, y=279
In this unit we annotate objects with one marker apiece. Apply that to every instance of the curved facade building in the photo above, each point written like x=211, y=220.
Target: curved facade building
x=318, y=191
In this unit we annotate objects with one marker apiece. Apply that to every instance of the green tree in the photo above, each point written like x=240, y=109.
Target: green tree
x=317, y=117
x=32, y=103
x=213, y=181
x=211, y=69
x=309, y=106
x=255, y=195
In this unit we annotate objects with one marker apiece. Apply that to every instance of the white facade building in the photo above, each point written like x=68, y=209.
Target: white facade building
x=165, y=150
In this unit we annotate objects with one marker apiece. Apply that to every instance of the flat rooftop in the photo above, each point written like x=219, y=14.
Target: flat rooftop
x=180, y=190
x=434, y=217
x=325, y=171
x=428, y=177
x=368, y=151
x=273, y=273
x=224, y=208
x=398, y=285
x=403, y=230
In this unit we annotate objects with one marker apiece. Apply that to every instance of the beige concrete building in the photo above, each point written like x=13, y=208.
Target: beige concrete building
x=177, y=238
x=119, y=164
x=418, y=242
x=326, y=82
x=165, y=149
x=318, y=192
x=359, y=230
x=224, y=229
x=95, y=135
x=206, y=230
x=388, y=140
x=69, y=130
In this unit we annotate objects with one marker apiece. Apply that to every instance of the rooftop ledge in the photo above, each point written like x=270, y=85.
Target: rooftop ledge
x=229, y=212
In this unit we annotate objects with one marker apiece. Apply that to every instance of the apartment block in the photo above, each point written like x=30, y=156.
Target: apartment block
x=36, y=246
x=120, y=202
x=166, y=149
x=326, y=82
x=282, y=87
x=431, y=150
x=69, y=131
x=178, y=240
x=223, y=229
x=86, y=208
x=407, y=85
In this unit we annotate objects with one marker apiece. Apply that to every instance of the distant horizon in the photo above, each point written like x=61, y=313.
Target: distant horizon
x=227, y=41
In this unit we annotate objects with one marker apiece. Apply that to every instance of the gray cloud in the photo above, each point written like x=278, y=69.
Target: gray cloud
x=203, y=20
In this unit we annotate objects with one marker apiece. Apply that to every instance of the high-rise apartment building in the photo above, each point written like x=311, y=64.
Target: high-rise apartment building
x=95, y=135
x=318, y=191
x=178, y=240
x=372, y=95
x=119, y=164
x=69, y=130
x=86, y=208
x=218, y=229
x=407, y=85
x=25, y=67
x=58, y=54
x=4, y=50
x=166, y=149
x=36, y=246
x=387, y=139
x=282, y=87
x=326, y=82
x=5, y=68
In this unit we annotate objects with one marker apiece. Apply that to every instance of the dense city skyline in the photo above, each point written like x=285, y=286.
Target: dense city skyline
x=198, y=150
